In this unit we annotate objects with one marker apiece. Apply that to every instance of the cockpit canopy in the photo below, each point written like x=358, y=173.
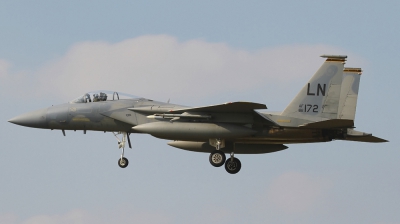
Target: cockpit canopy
x=103, y=95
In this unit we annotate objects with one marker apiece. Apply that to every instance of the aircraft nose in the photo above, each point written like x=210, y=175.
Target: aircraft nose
x=34, y=119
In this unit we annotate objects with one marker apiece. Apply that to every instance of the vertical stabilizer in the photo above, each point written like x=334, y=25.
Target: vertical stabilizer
x=319, y=98
x=349, y=93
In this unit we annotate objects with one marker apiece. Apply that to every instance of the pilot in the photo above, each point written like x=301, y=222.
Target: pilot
x=87, y=98
x=103, y=97
x=96, y=97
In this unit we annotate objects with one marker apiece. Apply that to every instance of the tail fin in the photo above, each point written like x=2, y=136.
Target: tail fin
x=349, y=93
x=319, y=98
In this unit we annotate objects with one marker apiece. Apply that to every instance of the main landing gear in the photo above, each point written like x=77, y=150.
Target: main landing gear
x=217, y=158
x=233, y=165
x=123, y=162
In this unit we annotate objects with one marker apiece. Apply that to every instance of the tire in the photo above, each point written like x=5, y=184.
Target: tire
x=217, y=158
x=123, y=163
x=234, y=166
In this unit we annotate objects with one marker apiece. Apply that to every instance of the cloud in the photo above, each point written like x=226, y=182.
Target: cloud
x=85, y=217
x=213, y=214
x=4, y=66
x=159, y=65
x=75, y=217
x=8, y=218
x=15, y=83
x=295, y=192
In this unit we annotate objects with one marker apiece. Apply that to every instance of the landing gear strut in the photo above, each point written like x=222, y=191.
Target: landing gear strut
x=217, y=158
x=123, y=162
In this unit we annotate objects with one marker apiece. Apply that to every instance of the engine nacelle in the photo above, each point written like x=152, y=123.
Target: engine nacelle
x=240, y=148
x=194, y=131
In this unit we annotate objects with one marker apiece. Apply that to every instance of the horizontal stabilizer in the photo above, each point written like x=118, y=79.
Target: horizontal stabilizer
x=329, y=124
x=233, y=107
x=358, y=136
x=367, y=138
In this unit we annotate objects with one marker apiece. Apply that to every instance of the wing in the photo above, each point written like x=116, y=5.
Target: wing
x=233, y=112
x=231, y=107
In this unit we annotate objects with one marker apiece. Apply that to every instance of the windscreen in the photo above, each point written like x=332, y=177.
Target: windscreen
x=103, y=95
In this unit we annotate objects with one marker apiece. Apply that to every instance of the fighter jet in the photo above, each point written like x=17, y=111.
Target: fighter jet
x=324, y=110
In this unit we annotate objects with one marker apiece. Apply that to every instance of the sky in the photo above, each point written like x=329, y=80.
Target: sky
x=196, y=54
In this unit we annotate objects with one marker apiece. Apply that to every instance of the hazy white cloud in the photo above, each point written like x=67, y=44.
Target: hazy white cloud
x=158, y=65
x=85, y=217
x=295, y=192
x=15, y=83
x=75, y=217
x=388, y=223
x=213, y=214
x=209, y=214
x=4, y=66
x=153, y=66
x=8, y=218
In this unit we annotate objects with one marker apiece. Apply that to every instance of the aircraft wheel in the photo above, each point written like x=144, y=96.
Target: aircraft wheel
x=233, y=166
x=217, y=158
x=123, y=162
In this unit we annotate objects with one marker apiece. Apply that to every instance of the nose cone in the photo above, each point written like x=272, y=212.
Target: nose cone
x=34, y=119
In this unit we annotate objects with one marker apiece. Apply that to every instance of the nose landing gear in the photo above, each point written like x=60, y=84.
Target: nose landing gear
x=123, y=162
